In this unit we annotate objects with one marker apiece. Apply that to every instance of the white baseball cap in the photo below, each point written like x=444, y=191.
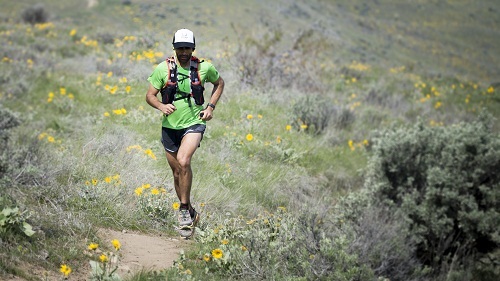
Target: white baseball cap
x=183, y=38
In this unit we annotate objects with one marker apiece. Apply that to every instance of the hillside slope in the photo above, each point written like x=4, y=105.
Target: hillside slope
x=310, y=85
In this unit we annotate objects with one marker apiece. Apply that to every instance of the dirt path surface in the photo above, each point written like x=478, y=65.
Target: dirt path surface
x=138, y=251
x=143, y=251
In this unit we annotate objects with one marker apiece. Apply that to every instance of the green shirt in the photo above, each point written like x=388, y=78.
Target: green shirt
x=187, y=112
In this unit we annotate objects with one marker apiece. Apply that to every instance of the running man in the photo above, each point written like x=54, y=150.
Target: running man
x=184, y=113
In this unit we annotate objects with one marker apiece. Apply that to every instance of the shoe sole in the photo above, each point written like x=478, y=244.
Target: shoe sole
x=187, y=231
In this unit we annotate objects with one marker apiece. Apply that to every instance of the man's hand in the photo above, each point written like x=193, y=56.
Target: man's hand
x=206, y=114
x=167, y=109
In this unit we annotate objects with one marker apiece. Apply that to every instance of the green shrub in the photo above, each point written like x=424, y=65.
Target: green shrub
x=316, y=113
x=35, y=14
x=382, y=242
x=18, y=153
x=280, y=246
x=7, y=121
x=265, y=64
x=445, y=182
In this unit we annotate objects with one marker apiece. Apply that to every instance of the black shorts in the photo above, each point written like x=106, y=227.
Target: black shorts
x=171, y=138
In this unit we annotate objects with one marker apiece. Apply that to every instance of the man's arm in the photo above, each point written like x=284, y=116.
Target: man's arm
x=151, y=99
x=216, y=94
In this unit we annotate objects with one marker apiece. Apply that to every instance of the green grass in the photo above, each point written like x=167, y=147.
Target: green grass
x=391, y=48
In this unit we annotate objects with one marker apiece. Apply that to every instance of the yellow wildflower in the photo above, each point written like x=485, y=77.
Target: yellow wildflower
x=249, y=116
x=351, y=145
x=249, y=137
x=150, y=153
x=288, y=127
x=103, y=258
x=225, y=242
x=206, y=257
x=217, y=253
x=93, y=246
x=155, y=191
x=116, y=244
x=113, y=90
x=138, y=191
x=66, y=270
x=138, y=147
x=175, y=206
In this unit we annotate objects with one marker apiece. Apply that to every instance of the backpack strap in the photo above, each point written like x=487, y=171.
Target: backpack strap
x=170, y=88
x=196, y=86
x=172, y=70
x=194, y=69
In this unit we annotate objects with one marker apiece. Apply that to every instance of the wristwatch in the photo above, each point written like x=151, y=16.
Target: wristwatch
x=211, y=105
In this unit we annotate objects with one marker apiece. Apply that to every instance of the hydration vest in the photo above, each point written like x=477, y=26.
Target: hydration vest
x=171, y=87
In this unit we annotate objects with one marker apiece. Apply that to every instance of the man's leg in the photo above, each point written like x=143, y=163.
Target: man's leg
x=174, y=165
x=189, y=144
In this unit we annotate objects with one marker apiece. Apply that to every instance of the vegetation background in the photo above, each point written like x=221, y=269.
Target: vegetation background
x=306, y=171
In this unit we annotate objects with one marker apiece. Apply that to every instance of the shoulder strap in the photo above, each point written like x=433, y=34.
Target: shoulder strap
x=194, y=68
x=172, y=70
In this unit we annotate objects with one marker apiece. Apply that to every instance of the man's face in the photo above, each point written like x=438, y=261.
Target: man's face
x=184, y=54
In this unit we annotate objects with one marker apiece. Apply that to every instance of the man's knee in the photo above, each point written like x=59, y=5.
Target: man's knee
x=184, y=163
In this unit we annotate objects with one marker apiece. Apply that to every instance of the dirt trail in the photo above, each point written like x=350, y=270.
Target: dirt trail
x=138, y=251
x=143, y=251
